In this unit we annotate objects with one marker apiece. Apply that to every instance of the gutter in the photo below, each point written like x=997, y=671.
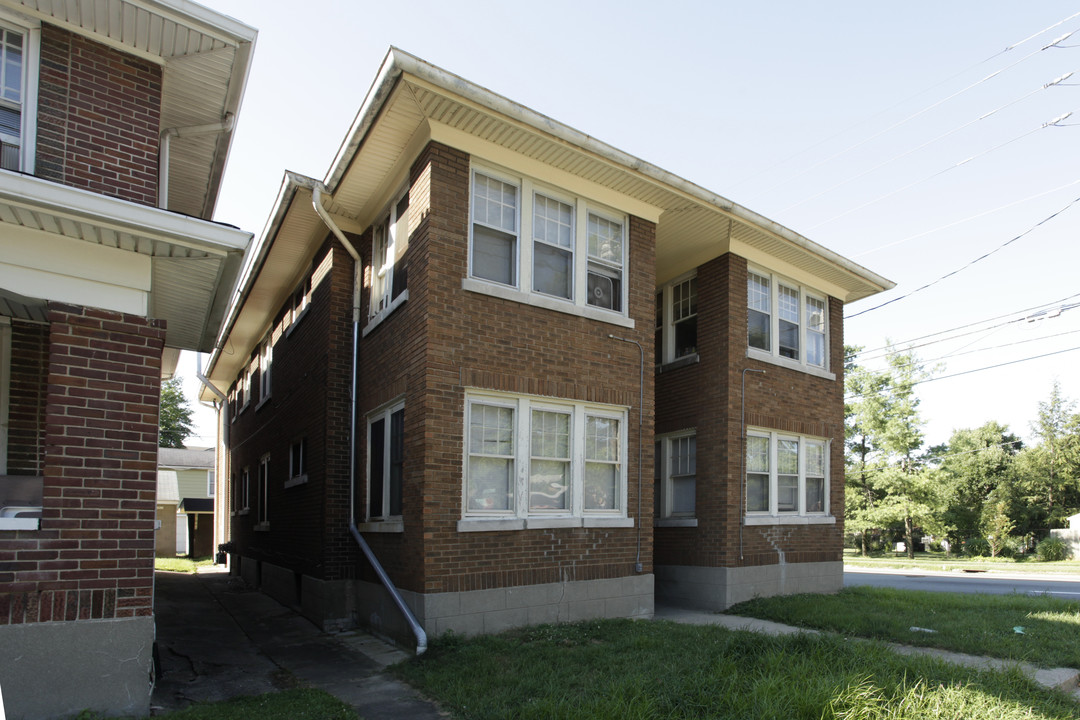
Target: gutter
x=168, y=134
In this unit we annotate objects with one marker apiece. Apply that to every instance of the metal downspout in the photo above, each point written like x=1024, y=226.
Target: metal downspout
x=421, y=636
x=167, y=135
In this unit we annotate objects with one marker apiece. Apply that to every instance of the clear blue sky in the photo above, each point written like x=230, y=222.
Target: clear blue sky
x=849, y=122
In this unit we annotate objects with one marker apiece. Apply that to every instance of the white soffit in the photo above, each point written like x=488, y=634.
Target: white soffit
x=194, y=263
x=410, y=96
x=205, y=58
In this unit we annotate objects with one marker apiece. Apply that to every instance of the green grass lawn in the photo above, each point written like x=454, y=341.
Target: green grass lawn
x=181, y=563
x=938, y=561
x=298, y=704
x=627, y=669
x=967, y=623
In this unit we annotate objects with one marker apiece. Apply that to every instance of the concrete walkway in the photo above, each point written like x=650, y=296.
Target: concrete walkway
x=1063, y=679
x=218, y=639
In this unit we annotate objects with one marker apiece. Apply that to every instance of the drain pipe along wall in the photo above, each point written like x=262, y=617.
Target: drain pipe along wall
x=317, y=190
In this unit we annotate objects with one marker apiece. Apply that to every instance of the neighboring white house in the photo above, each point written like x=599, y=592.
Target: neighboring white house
x=185, y=505
x=1070, y=535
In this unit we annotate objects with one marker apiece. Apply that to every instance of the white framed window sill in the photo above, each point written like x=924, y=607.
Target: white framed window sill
x=262, y=402
x=540, y=523
x=298, y=480
x=686, y=360
x=242, y=511
x=675, y=522
x=262, y=527
x=548, y=303
x=378, y=317
x=766, y=357
x=789, y=520
x=20, y=523
x=382, y=526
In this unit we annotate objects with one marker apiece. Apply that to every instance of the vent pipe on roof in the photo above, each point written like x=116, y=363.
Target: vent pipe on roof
x=168, y=134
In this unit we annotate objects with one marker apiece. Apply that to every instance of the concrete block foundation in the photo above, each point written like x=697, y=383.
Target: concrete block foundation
x=718, y=588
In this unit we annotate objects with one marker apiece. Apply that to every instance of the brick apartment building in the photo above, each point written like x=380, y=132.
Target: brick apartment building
x=115, y=125
x=511, y=360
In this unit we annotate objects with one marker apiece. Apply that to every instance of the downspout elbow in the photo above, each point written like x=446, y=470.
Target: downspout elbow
x=225, y=125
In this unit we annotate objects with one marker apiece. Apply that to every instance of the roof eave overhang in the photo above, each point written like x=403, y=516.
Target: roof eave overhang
x=171, y=241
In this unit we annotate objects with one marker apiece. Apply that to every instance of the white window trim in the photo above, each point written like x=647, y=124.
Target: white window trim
x=800, y=517
x=299, y=303
x=386, y=519
x=266, y=376
x=519, y=517
x=211, y=483
x=382, y=304
x=772, y=355
x=262, y=492
x=31, y=29
x=302, y=478
x=666, y=517
x=522, y=290
x=667, y=329
x=244, y=492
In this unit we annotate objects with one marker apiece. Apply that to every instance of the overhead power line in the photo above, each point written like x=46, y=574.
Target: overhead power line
x=969, y=264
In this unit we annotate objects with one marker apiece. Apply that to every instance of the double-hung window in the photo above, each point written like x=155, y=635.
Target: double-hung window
x=676, y=320
x=539, y=245
x=786, y=475
x=297, y=462
x=266, y=361
x=785, y=322
x=211, y=483
x=243, y=492
x=676, y=478
x=532, y=459
x=18, y=93
x=386, y=462
x=389, y=274
x=263, y=491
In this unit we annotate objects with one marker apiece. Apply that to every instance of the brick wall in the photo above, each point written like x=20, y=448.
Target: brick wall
x=26, y=418
x=707, y=395
x=483, y=342
x=93, y=556
x=98, y=118
x=309, y=399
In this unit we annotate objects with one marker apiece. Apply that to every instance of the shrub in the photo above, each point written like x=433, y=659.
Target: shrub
x=976, y=547
x=1052, y=549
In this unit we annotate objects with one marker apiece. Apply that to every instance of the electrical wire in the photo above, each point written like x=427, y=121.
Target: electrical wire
x=920, y=361
x=1026, y=312
x=969, y=264
x=944, y=135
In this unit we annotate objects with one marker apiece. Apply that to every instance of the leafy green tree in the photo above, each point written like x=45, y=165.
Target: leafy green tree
x=1050, y=471
x=174, y=420
x=977, y=472
x=888, y=481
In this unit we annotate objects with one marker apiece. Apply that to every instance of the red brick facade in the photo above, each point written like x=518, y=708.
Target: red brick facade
x=94, y=554
x=706, y=395
x=98, y=118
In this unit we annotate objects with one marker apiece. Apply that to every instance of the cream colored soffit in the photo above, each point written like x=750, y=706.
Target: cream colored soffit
x=205, y=58
x=272, y=270
x=193, y=264
x=411, y=99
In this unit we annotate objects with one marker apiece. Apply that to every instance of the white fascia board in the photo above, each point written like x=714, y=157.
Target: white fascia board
x=121, y=215
x=200, y=18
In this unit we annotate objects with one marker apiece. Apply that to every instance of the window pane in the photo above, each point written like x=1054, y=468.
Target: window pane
x=684, y=299
x=683, y=491
x=815, y=494
x=789, y=304
x=686, y=337
x=684, y=455
x=757, y=454
x=489, y=483
x=757, y=492
x=494, y=255
x=815, y=457
x=815, y=314
x=549, y=481
x=491, y=430
x=789, y=340
x=601, y=483
x=787, y=493
x=758, y=330
x=605, y=240
x=757, y=293
x=495, y=203
x=376, y=465
x=787, y=457
x=553, y=222
x=552, y=270
x=601, y=438
x=550, y=434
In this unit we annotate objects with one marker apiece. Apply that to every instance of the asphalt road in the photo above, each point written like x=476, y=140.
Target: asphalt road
x=1065, y=587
